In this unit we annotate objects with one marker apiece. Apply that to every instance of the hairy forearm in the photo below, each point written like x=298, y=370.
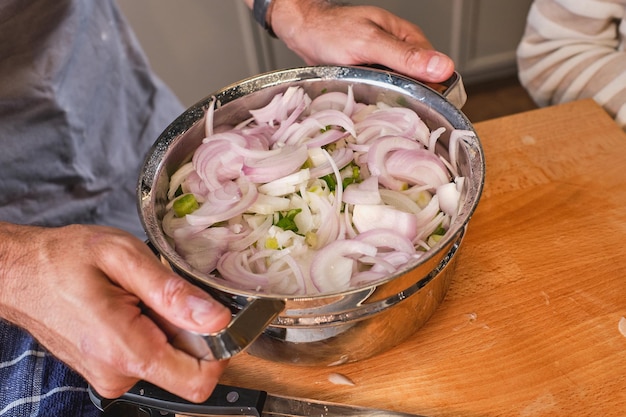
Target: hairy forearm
x=17, y=257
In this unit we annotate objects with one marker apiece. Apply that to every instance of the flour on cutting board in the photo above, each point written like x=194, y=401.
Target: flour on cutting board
x=470, y=318
x=528, y=140
x=622, y=326
x=340, y=379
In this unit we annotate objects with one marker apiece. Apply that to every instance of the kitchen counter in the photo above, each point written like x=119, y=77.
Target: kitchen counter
x=530, y=324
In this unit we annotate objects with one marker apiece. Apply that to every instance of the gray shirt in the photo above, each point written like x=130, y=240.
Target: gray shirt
x=79, y=108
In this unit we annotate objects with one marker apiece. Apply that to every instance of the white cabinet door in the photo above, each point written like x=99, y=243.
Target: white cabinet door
x=200, y=46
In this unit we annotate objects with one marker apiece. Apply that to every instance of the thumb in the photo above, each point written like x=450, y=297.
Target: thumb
x=422, y=64
x=185, y=305
x=170, y=296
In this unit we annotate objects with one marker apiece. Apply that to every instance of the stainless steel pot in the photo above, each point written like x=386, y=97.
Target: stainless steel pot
x=323, y=329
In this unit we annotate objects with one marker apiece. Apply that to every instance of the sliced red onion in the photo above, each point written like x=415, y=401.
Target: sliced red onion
x=387, y=239
x=203, y=250
x=433, y=225
x=378, y=264
x=364, y=277
x=453, y=146
x=416, y=167
x=235, y=267
x=209, y=214
x=434, y=137
x=298, y=133
x=193, y=184
x=335, y=118
x=378, y=154
x=335, y=100
x=339, y=185
x=178, y=227
x=325, y=138
x=399, y=121
x=348, y=226
x=216, y=162
x=287, y=124
x=280, y=106
x=291, y=283
x=340, y=157
x=276, y=166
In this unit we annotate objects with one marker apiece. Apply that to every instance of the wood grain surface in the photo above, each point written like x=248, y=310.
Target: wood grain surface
x=529, y=326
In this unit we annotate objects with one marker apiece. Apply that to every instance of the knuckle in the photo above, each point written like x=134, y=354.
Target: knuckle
x=172, y=291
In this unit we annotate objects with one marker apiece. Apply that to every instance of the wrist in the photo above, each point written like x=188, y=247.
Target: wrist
x=15, y=257
x=291, y=18
x=262, y=11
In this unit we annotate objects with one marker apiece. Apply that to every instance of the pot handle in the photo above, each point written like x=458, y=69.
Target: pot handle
x=452, y=88
x=244, y=328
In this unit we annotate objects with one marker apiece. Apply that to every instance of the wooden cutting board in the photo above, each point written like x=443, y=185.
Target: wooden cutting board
x=529, y=326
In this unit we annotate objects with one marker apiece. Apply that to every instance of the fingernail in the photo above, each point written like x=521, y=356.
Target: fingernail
x=202, y=311
x=436, y=65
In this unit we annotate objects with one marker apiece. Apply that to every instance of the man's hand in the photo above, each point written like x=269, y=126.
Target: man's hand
x=80, y=291
x=324, y=33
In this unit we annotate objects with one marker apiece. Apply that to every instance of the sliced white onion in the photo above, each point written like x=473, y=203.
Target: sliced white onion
x=399, y=200
x=177, y=179
x=449, y=198
x=369, y=216
x=333, y=265
x=286, y=185
x=268, y=204
x=208, y=118
x=365, y=192
x=387, y=239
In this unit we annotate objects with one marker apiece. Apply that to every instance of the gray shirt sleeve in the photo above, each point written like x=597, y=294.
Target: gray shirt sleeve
x=79, y=108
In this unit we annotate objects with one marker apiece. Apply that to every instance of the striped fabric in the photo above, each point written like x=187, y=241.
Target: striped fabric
x=574, y=49
x=36, y=384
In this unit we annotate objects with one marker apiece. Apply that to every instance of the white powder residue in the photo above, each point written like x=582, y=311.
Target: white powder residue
x=340, y=379
x=622, y=326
